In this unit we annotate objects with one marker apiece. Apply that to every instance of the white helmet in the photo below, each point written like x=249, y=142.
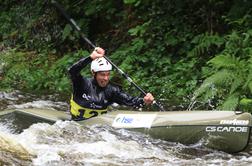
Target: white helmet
x=100, y=64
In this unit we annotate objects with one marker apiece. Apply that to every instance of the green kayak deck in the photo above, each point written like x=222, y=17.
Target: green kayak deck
x=222, y=130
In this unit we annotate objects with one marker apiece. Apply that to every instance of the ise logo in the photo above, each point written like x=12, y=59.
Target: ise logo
x=124, y=120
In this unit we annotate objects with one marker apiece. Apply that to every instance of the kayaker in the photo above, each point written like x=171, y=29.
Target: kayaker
x=92, y=96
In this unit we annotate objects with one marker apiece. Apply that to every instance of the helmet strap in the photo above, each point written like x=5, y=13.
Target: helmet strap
x=93, y=73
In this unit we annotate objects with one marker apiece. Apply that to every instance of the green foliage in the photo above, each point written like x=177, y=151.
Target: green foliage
x=167, y=47
x=57, y=77
x=18, y=73
x=42, y=72
x=205, y=43
x=232, y=70
x=131, y=1
x=139, y=30
x=246, y=104
x=231, y=102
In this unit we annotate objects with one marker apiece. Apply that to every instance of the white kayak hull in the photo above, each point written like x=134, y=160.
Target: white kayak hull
x=221, y=130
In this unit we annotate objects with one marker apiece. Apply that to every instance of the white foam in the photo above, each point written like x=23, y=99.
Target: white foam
x=40, y=104
x=48, y=144
x=69, y=142
x=9, y=96
x=5, y=128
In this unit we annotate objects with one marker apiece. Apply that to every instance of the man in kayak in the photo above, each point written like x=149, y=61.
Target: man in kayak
x=92, y=96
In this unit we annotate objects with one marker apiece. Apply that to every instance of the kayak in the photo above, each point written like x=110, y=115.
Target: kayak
x=221, y=130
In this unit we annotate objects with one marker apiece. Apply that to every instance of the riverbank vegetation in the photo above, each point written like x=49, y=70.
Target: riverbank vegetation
x=184, y=51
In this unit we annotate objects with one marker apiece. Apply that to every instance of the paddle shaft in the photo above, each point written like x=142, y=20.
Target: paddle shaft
x=77, y=28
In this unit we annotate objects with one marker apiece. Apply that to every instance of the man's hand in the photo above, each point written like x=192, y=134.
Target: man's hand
x=97, y=53
x=148, y=99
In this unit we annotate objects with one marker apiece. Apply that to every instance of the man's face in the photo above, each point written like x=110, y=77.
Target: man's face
x=102, y=78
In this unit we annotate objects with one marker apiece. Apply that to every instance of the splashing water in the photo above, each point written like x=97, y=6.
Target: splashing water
x=196, y=104
x=17, y=99
x=11, y=151
x=68, y=143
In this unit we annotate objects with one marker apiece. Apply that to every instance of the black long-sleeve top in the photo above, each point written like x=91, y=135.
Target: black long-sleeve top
x=87, y=93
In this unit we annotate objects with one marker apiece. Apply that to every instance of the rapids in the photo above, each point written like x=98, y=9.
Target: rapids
x=68, y=143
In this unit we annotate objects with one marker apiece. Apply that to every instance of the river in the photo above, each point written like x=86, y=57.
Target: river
x=68, y=143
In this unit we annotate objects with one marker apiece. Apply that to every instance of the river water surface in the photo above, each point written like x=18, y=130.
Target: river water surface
x=68, y=143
